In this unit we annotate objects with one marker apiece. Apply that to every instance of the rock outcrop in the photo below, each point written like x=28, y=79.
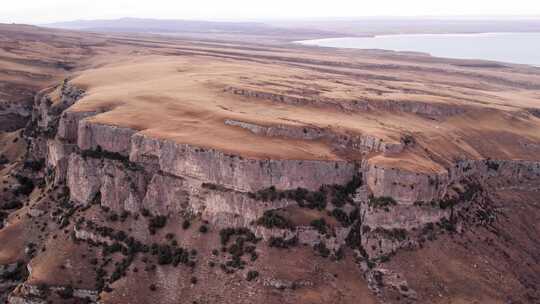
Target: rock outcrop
x=345, y=142
x=130, y=171
x=431, y=110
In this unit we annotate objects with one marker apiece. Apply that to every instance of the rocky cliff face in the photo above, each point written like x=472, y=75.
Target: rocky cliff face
x=432, y=110
x=130, y=170
x=378, y=209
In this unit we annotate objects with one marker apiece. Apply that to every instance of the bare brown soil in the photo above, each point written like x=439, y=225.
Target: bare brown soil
x=495, y=265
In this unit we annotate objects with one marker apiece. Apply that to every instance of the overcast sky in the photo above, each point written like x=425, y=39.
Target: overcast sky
x=43, y=11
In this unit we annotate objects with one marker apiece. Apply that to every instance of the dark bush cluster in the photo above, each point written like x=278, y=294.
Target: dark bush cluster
x=271, y=219
x=346, y=219
x=14, y=204
x=279, y=242
x=113, y=248
x=156, y=222
x=407, y=139
x=243, y=244
x=354, y=238
x=447, y=224
x=166, y=254
x=470, y=190
x=381, y=202
x=210, y=186
x=18, y=274
x=268, y=194
x=320, y=225
x=312, y=199
x=226, y=234
x=491, y=165
x=100, y=153
x=343, y=194
x=34, y=165
x=398, y=234
x=203, y=229
x=66, y=292
x=64, y=213
x=252, y=275
x=3, y=215
x=145, y=212
x=3, y=160
x=121, y=268
x=170, y=255
x=428, y=227
x=322, y=250
x=26, y=185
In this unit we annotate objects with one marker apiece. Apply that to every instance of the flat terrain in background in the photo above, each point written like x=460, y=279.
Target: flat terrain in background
x=266, y=31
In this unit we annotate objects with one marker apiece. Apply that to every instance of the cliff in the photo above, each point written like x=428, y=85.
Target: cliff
x=132, y=171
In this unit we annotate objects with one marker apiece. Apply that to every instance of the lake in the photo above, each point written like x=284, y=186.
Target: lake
x=521, y=48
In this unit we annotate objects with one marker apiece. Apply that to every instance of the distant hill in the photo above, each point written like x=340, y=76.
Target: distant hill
x=402, y=25
x=156, y=25
x=170, y=26
x=289, y=30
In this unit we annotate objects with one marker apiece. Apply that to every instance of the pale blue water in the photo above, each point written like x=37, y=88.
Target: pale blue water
x=505, y=47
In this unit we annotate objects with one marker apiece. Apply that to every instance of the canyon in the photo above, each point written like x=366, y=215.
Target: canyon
x=148, y=168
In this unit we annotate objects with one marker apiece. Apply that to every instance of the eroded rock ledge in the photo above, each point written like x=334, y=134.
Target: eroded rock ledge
x=432, y=110
x=363, y=143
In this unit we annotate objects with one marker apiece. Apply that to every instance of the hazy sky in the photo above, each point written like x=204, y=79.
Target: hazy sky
x=42, y=11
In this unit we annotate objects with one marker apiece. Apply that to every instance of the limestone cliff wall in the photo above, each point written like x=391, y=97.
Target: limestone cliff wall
x=236, y=172
x=137, y=171
x=110, y=138
x=405, y=186
x=432, y=110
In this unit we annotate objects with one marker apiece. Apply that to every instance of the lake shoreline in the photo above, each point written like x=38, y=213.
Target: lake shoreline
x=504, y=47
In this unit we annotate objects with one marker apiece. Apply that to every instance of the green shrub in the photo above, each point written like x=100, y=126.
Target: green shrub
x=381, y=202
x=354, y=238
x=271, y=219
x=34, y=165
x=11, y=205
x=322, y=249
x=226, y=234
x=320, y=225
x=252, y=275
x=26, y=185
x=156, y=222
x=398, y=234
x=203, y=229
x=279, y=242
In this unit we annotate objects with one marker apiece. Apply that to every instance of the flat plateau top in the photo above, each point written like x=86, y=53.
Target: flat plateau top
x=186, y=90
